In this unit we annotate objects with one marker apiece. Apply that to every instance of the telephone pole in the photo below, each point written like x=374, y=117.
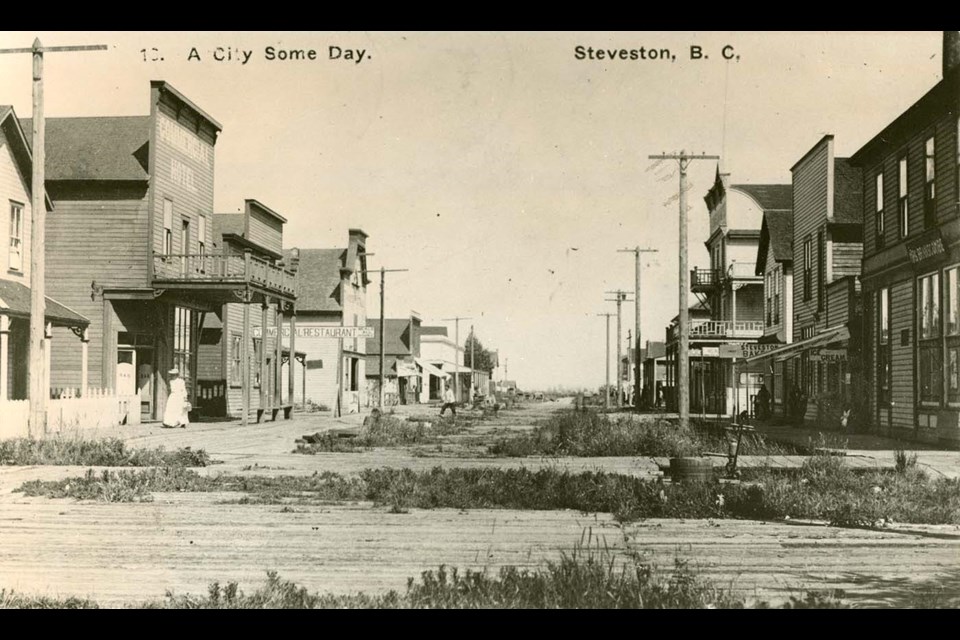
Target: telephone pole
x=473, y=362
x=683, y=357
x=638, y=365
x=621, y=297
x=383, y=287
x=606, y=387
x=456, y=359
x=38, y=376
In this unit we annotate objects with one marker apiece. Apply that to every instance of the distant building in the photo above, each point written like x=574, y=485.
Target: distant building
x=442, y=357
x=654, y=372
x=401, y=351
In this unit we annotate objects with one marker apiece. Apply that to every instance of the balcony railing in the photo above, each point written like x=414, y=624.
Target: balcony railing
x=726, y=329
x=222, y=269
x=702, y=279
x=740, y=270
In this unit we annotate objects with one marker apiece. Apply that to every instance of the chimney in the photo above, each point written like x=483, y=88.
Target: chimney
x=951, y=52
x=359, y=237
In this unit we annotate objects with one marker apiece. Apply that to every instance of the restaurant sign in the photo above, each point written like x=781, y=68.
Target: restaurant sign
x=320, y=332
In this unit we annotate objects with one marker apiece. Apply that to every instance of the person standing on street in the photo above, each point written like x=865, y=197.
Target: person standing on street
x=449, y=402
x=176, y=413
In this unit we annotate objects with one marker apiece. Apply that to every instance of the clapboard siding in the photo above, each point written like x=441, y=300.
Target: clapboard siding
x=770, y=272
x=185, y=178
x=810, y=205
x=13, y=189
x=902, y=319
x=322, y=355
x=838, y=301
x=91, y=241
x=847, y=259
x=265, y=230
x=233, y=325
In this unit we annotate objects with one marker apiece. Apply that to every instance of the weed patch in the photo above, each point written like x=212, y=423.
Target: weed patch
x=108, y=452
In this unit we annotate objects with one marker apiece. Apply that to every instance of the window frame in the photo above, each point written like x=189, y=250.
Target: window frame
x=879, y=220
x=930, y=338
x=884, y=368
x=16, y=214
x=167, y=247
x=903, y=194
x=930, y=182
x=807, y=268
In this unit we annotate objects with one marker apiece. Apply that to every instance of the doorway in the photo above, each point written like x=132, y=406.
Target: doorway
x=126, y=372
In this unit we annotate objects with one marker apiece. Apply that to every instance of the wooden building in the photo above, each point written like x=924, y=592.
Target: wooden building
x=16, y=170
x=131, y=246
x=733, y=293
x=823, y=357
x=332, y=293
x=911, y=264
x=654, y=357
x=401, y=350
x=259, y=231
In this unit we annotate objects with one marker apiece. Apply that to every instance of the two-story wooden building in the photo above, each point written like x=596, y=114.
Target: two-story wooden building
x=733, y=292
x=401, y=350
x=823, y=357
x=911, y=264
x=16, y=168
x=332, y=293
x=130, y=246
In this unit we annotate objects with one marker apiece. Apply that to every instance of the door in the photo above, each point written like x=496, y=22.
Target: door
x=126, y=372
x=145, y=385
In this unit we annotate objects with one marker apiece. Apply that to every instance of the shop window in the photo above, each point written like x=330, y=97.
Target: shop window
x=930, y=359
x=236, y=359
x=951, y=303
x=183, y=333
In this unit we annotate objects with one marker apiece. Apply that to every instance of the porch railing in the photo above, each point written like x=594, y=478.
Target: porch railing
x=726, y=329
x=226, y=269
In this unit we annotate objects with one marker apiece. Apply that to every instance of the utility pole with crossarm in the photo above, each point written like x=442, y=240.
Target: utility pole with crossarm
x=638, y=365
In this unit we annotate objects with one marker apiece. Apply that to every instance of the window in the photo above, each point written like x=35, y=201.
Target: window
x=777, y=290
x=883, y=347
x=930, y=189
x=951, y=303
x=16, y=236
x=902, y=203
x=878, y=216
x=167, y=226
x=184, y=244
x=821, y=268
x=201, y=236
x=255, y=365
x=236, y=358
x=183, y=332
x=929, y=343
x=807, y=267
x=768, y=290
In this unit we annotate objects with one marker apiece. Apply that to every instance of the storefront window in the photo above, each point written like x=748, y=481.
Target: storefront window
x=883, y=347
x=930, y=361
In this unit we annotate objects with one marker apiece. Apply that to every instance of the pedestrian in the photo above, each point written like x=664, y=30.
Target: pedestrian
x=659, y=396
x=763, y=403
x=177, y=411
x=449, y=402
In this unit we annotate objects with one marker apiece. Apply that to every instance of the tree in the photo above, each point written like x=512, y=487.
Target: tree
x=486, y=360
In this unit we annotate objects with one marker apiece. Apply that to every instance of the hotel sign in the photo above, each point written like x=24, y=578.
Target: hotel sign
x=926, y=247
x=347, y=333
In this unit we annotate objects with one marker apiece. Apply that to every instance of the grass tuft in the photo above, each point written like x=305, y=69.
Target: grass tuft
x=107, y=452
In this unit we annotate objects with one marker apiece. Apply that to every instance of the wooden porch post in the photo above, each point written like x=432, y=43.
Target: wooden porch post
x=264, y=318
x=4, y=335
x=245, y=365
x=293, y=354
x=278, y=359
x=84, y=373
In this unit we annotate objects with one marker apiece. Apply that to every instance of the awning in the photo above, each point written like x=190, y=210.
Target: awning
x=15, y=301
x=432, y=370
x=406, y=369
x=835, y=334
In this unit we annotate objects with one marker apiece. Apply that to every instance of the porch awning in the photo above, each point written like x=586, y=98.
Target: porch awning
x=406, y=369
x=15, y=301
x=789, y=350
x=429, y=368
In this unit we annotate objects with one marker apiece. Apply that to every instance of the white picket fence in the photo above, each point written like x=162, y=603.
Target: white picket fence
x=68, y=411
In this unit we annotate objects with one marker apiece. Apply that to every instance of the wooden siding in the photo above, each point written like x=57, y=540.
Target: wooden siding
x=769, y=271
x=91, y=240
x=233, y=325
x=902, y=319
x=810, y=205
x=847, y=259
x=13, y=188
x=182, y=177
x=839, y=298
x=945, y=130
x=265, y=230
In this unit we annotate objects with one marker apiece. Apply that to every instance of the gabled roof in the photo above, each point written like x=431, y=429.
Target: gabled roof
x=776, y=237
x=655, y=350
x=399, y=338
x=433, y=331
x=770, y=197
x=318, y=279
x=101, y=148
x=20, y=147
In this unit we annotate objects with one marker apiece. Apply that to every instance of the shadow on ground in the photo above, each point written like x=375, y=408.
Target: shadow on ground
x=941, y=592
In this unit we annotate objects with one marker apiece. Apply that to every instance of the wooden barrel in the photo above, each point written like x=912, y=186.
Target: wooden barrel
x=691, y=469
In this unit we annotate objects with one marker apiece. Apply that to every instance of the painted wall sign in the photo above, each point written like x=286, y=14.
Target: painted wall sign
x=927, y=246
x=320, y=332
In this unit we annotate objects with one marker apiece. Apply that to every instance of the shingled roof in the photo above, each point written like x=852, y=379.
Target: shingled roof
x=776, y=237
x=15, y=301
x=398, y=333
x=19, y=146
x=101, y=148
x=770, y=197
x=318, y=279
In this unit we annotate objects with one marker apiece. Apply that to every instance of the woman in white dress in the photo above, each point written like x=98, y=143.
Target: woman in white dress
x=176, y=413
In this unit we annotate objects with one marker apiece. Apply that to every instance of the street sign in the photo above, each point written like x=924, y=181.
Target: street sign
x=710, y=352
x=341, y=333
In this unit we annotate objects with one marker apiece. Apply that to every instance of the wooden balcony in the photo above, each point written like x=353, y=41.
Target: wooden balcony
x=715, y=329
x=704, y=280
x=193, y=271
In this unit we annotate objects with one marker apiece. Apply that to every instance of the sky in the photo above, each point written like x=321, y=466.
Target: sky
x=500, y=170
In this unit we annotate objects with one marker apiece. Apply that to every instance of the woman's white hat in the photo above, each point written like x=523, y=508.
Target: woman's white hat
x=173, y=372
